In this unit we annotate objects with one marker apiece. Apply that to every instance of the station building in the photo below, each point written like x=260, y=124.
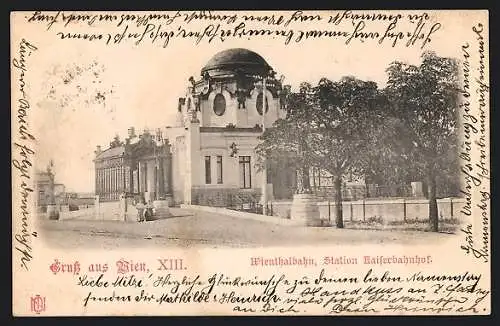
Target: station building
x=207, y=156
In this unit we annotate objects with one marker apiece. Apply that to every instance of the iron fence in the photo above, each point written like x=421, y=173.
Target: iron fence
x=357, y=192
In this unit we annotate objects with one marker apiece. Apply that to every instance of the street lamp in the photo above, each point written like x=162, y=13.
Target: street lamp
x=52, y=211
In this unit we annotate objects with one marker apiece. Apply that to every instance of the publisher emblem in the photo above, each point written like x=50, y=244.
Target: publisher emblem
x=37, y=304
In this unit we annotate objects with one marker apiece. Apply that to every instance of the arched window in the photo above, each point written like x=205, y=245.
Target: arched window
x=259, y=104
x=219, y=104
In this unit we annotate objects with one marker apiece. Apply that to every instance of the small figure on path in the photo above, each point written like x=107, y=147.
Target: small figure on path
x=141, y=207
x=148, y=211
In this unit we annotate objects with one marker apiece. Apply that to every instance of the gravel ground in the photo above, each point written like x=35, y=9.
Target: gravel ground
x=190, y=228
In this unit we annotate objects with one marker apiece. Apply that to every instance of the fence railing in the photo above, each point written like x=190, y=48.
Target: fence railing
x=247, y=202
x=388, y=210
x=357, y=192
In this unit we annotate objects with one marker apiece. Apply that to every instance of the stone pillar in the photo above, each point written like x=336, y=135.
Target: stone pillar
x=96, y=184
x=160, y=179
x=304, y=205
x=116, y=183
x=151, y=182
x=134, y=180
x=103, y=182
x=167, y=178
x=161, y=209
x=305, y=209
x=52, y=212
x=139, y=176
x=113, y=183
x=165, y=165
x=121, y=179
x=99, y=190
x=123, y=207
x=193, y=159
x=142, y=178
x=166, y=188
x=417, y=189
x=127, y=179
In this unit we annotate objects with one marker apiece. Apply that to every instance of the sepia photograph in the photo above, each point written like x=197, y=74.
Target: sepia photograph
x=247, y=160
x=250, y=162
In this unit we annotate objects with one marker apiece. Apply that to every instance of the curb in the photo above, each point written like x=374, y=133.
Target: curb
x=244, y=215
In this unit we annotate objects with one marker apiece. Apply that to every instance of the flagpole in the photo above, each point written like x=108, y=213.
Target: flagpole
x=264, y=171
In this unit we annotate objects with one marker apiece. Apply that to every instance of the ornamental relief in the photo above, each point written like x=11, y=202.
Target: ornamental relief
x=109, y=163
x=216, y=104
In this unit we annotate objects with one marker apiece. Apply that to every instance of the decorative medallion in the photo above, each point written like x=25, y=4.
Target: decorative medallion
x=219, y=104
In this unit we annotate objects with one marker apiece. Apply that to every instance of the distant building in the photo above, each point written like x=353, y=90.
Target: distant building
x=42, y=182
x=76, y=200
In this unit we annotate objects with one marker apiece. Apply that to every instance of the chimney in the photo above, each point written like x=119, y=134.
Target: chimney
x=131, y=132
x=98, y=150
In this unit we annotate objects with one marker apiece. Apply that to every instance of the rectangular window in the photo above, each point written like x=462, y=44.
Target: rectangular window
x=219, y=169
x=208, y=171
x=245, y=172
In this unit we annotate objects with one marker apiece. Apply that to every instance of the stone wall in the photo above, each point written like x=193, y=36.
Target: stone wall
x=393, y=210
x=84, y=214
x=243, y=215
x=121, y=210
x=224, y=197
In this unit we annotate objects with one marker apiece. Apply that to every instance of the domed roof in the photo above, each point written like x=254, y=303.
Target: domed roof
x=233, y=59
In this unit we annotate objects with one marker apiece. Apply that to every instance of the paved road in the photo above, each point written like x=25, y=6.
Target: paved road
x=193, y=228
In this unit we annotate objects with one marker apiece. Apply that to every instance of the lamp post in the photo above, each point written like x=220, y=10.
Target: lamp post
x=160, y=203
x=52, y=210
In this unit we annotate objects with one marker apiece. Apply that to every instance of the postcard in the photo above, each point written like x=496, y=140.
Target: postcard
x=198, y=163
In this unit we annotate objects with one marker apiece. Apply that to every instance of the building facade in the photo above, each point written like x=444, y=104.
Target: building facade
x=45, y=190
x=208, y=156
x=138, y=166
x=218, y=124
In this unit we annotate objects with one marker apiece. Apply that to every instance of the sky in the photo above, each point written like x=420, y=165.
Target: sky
x=141, y=86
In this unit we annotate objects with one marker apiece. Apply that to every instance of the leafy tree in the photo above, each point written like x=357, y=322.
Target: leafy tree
x=288, y=140
x=385, y=151
x=424, y=102
x=326, y=128
x=345, y=114
x=116, y=142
